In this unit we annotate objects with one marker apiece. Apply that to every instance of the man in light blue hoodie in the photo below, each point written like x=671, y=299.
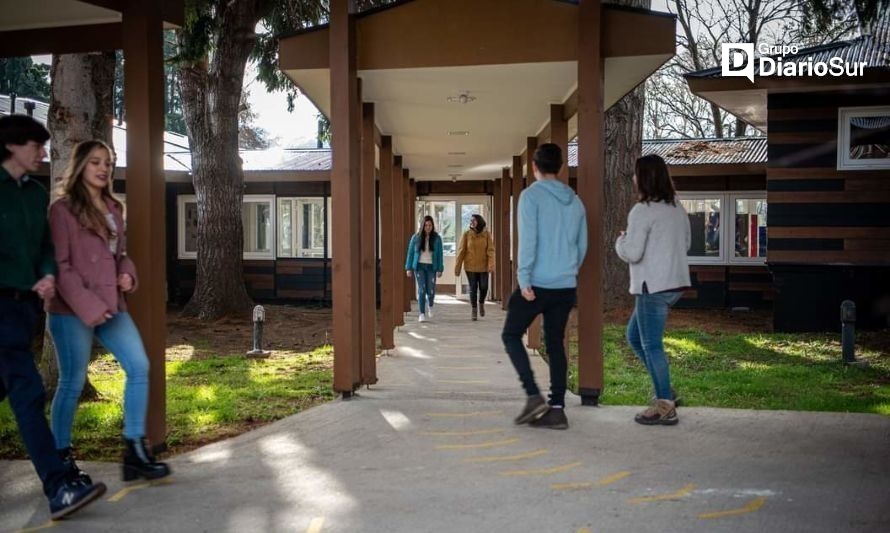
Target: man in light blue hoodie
x=552, y=245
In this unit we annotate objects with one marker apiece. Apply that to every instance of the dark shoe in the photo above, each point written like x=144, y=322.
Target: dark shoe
x=660, y=413
x=76, y=473
x=138, y=462
x=481, y=308
x=552, y=419
x=535, y=406
x=678, y=401
x=73, y=495
x=473, y=314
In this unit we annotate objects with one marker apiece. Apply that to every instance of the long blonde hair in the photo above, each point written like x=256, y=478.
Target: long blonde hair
x=78, y=196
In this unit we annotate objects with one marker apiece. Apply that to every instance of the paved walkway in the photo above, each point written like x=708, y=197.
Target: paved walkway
x=433, y=448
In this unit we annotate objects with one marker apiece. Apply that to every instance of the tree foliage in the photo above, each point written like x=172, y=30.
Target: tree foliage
x=25, y=78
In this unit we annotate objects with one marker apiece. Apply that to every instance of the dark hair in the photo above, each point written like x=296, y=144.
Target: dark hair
x=19, y=129
x=654, y=182
x=76, y=193
x=480, y=223
x=422, y=244
x=548, y=157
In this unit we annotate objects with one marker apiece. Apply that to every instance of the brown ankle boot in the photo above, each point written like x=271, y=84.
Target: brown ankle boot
x=660, y=413
x=481, y=308
x=473, y=314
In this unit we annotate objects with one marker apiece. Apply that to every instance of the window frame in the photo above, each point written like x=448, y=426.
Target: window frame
x=744, y=195
x=844, y=115
x=183, y=199
x=705, y=195
x=727, y=229
x=270, y=200
x=181, y=202
x=296, y=237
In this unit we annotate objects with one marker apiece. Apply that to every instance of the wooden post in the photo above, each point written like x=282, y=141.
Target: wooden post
x=410, y=284
x=413, y=222
x=368, y=240
x=389, y=265
x=345, y=192
x=559, y=135
x=494, y=285
x=399, y=209
x=590, y=189
x=505, y=268
x=143, y=27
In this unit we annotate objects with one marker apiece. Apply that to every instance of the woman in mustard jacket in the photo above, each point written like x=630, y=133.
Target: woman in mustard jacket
x=476, y=255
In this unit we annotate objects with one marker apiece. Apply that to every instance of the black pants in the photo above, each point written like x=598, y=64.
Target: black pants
x=20, y=380
x=555, y=305
x=478, y=284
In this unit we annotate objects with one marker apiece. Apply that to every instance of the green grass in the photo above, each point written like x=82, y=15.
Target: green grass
x=800, y=372
x=207, y=399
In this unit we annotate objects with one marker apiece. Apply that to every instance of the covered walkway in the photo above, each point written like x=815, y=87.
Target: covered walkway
x=433, y=448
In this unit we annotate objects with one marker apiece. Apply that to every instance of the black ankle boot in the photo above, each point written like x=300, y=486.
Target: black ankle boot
x=473, y=314
x=138, y=462
x=76, y=473
x=482, y=308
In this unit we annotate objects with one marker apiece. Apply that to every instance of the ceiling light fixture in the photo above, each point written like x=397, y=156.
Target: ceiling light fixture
x=459, y=132
x=457, y=153
x=455, y=166
x=462, y=98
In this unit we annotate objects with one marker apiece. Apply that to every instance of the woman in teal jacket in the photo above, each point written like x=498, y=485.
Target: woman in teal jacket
x=425, y=263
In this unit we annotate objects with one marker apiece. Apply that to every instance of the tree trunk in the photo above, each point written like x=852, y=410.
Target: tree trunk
x=80, y=109
x=623, y=144
x=211, y=94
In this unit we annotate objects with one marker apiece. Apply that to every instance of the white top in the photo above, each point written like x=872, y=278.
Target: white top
x=426, y=257
x=655, y=246
x=112, y=227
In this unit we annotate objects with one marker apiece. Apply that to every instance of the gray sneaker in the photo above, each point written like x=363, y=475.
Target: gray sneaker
x=535, y=406
x=552, y=419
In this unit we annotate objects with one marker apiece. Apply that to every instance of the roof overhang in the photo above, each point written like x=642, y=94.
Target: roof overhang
x=414, y=55
x=748, y=101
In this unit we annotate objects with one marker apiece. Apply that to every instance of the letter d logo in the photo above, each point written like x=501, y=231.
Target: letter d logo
x=738, y=60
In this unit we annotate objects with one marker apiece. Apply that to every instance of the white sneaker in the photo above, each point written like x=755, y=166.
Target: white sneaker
x=429, y=312
x=421, y=318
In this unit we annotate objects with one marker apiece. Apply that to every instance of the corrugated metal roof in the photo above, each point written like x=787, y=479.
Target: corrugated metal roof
x=700, y=151
x=874, y=50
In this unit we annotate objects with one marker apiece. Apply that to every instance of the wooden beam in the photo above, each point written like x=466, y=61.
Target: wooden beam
x=559, y=135
x=590, y=190
x=63, y=40
x=345, y=190
x=144, y=86
x=399, y=209
x=409, y=283
x=389, y=265
x=368, y=244
x=504, y=264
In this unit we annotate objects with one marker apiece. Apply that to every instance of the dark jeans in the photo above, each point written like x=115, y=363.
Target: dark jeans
x=555, y=305
x=478, y=284
x=20, y=380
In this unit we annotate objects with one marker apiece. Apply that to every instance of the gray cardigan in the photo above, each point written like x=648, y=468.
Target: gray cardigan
x=655, y=246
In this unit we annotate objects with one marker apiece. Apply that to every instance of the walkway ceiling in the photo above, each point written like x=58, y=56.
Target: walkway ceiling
x=511, y=58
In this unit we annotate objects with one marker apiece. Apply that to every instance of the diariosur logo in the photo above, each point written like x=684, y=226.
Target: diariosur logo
x=737, y=59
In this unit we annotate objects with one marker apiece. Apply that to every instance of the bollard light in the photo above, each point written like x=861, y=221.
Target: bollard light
x=259, y=316
x=848, y=333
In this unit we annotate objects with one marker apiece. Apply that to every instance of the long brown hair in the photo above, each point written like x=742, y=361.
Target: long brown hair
x=654, y=182
x=77, y=195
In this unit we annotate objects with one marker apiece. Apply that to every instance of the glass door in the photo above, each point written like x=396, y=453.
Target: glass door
x=467, y=207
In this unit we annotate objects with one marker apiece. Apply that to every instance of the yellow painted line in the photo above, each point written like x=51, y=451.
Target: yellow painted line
x=608, y=480
x=489, y=444
x=121, y=494
x=542, y=471
x=465, y=415
x=316, y=525
x=584, y=530
x=47, y=525
x=460, y=433
x=464, y=382
x=750, y=508
x=570, y=486
x=498, y=458
x=662, y=497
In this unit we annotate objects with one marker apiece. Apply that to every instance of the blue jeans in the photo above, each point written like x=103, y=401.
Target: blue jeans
x=645, y=333
x=426, y=285
x=74, y=342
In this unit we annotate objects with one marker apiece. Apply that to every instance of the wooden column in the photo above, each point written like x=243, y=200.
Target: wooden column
x=413, y=222
x=559, y=135
x=389, y=264
x=399, y=208
x=516, y=189
x=410, y=284
x=144, y=86
x=505, y=268
x=590, y=189
x=494, y=222
x=345, y=192
x=368, y=241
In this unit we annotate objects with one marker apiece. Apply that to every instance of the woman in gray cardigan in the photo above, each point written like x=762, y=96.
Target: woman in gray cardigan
x=655, y=245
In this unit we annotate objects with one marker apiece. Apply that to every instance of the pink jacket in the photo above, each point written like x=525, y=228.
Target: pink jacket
x=87, y=282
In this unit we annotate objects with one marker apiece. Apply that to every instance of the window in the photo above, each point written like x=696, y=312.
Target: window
x=301, y=227
x=256, y=219
x=444, y=217
x=727, y=227
x=863, y=138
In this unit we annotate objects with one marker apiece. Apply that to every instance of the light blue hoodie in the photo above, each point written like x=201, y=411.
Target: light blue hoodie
x=552, y=236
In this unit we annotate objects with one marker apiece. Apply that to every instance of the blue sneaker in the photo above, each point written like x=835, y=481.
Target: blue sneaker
x=72, y=495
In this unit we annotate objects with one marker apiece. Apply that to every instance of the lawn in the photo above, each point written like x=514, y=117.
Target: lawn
x=753, y=371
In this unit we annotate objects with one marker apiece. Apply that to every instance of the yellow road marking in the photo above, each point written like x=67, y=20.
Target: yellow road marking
x=464, y=382
x=570, y=486
x=662, y=497
x=460, y=433
x=316, y=525
x=121, y=494
x=489, y=444
x=517, y=457
x=541, y=471
x=584, y=530
x=466, y=415
x=608, y=480
x=47, y=525
x=750, y=508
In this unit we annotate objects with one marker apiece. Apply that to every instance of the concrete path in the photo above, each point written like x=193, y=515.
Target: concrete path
x=433, y=448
